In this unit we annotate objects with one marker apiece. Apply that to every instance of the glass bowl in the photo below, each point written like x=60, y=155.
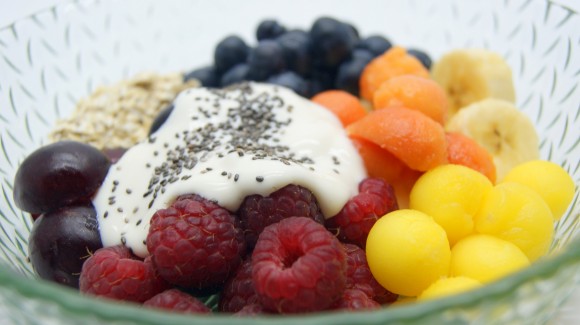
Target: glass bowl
x=53, y=58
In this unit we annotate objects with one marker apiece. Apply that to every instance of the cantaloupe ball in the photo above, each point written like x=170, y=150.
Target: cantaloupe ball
x=518, y=214
x=448, y=286
x=452, y=195
x=407, y=251
x=549, y=180
x=486, y=258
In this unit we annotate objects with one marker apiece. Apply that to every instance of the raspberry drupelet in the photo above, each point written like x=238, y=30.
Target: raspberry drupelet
x=113, y=272
x=298, y=266
x=195, y=243
x=239, y=290
x=257, y=212
x=352, y=224
x=177, y=301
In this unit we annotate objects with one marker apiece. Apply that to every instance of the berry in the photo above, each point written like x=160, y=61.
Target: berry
x=239, y=290
x=348, y=75
x=322, y=79
x=269, y=29
x=114, y=154
x=331, y=42
x=256, y=211
x=265, y=60
x=355, y=299
x=195, y=243
x=375, y=44
x=376, y=198
x=295, y=45
x=113, y=272
x=59, y=174
x=61, y=241
x=292, y=80
x=229, y=52
x=160, y=119
x=177, y=301
x=298, y=266
x=207, y=76
x=237, y=73
x=359, y=276
x=251, y=310
x=423, y=57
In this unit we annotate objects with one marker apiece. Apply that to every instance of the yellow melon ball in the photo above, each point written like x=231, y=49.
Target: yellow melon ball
x=516, y=213
x=449, y=286
x=549, y=180
x=451, y=194
x=485, y=258
x=407, y=251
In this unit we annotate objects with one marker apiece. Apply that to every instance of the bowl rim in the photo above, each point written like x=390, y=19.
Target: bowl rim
x=71, y=301
x=74, y=302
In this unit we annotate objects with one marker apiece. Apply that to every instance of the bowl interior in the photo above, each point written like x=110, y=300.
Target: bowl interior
x=52, y=59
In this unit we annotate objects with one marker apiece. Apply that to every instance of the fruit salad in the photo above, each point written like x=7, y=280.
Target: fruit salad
x=318, y=170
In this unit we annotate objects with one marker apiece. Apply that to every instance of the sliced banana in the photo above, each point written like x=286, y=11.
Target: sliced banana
x=502, y=129
x=470, y=75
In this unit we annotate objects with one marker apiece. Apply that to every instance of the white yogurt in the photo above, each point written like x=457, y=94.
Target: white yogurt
x=225, y=145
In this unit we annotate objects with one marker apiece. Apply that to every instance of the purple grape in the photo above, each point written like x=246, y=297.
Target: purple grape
x=61, y=240
x=58, y=175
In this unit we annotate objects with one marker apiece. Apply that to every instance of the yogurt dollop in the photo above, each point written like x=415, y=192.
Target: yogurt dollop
x=225, y=145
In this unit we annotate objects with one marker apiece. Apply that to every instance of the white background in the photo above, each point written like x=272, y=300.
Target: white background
x=12, y=10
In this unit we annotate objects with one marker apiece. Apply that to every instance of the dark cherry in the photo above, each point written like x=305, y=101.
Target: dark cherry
x=60, y=242
x=59, y=174
x=160, y=119
x=114, y=154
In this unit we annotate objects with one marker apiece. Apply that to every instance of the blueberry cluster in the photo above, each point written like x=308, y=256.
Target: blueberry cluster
x=331, y=55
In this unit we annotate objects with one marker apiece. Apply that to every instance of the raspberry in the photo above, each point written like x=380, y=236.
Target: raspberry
x=251, y=310
x=256, y=211
x=355, y=299
x=375, y=199
x=239, y=290
x=195, y=243
x=298, y=266
x=113, y=272
x=177, y=301
x=359, y=276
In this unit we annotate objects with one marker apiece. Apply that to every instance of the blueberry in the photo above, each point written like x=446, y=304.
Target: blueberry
x=269, y=29
x=229, y=52
x=291, y=80
x=362, y=55
x=160, y=119
x=422, y=57
x=265, y=60
x=295, y=47
x=348, y=75
x=331, y=42
x=236, y=74
x=322, y=79
x=207, y=76
x=375, y=44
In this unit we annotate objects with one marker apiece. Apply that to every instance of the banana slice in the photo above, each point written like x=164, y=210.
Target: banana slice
x=502, y=129
x=470, y=75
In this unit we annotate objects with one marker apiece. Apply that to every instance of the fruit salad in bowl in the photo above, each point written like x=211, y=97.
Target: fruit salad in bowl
x=320, y=168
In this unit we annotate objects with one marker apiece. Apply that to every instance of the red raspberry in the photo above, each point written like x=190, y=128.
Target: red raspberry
x=359, y=276
x=256, y=211
x=298, y=266
x=195, y=243
x=177, y=301
x=355, y=299
x=113, y=272
x=251, y=310
x=352, y=224
x=239, y=290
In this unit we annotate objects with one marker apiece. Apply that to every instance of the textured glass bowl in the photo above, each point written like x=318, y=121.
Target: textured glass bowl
x=51, y=59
